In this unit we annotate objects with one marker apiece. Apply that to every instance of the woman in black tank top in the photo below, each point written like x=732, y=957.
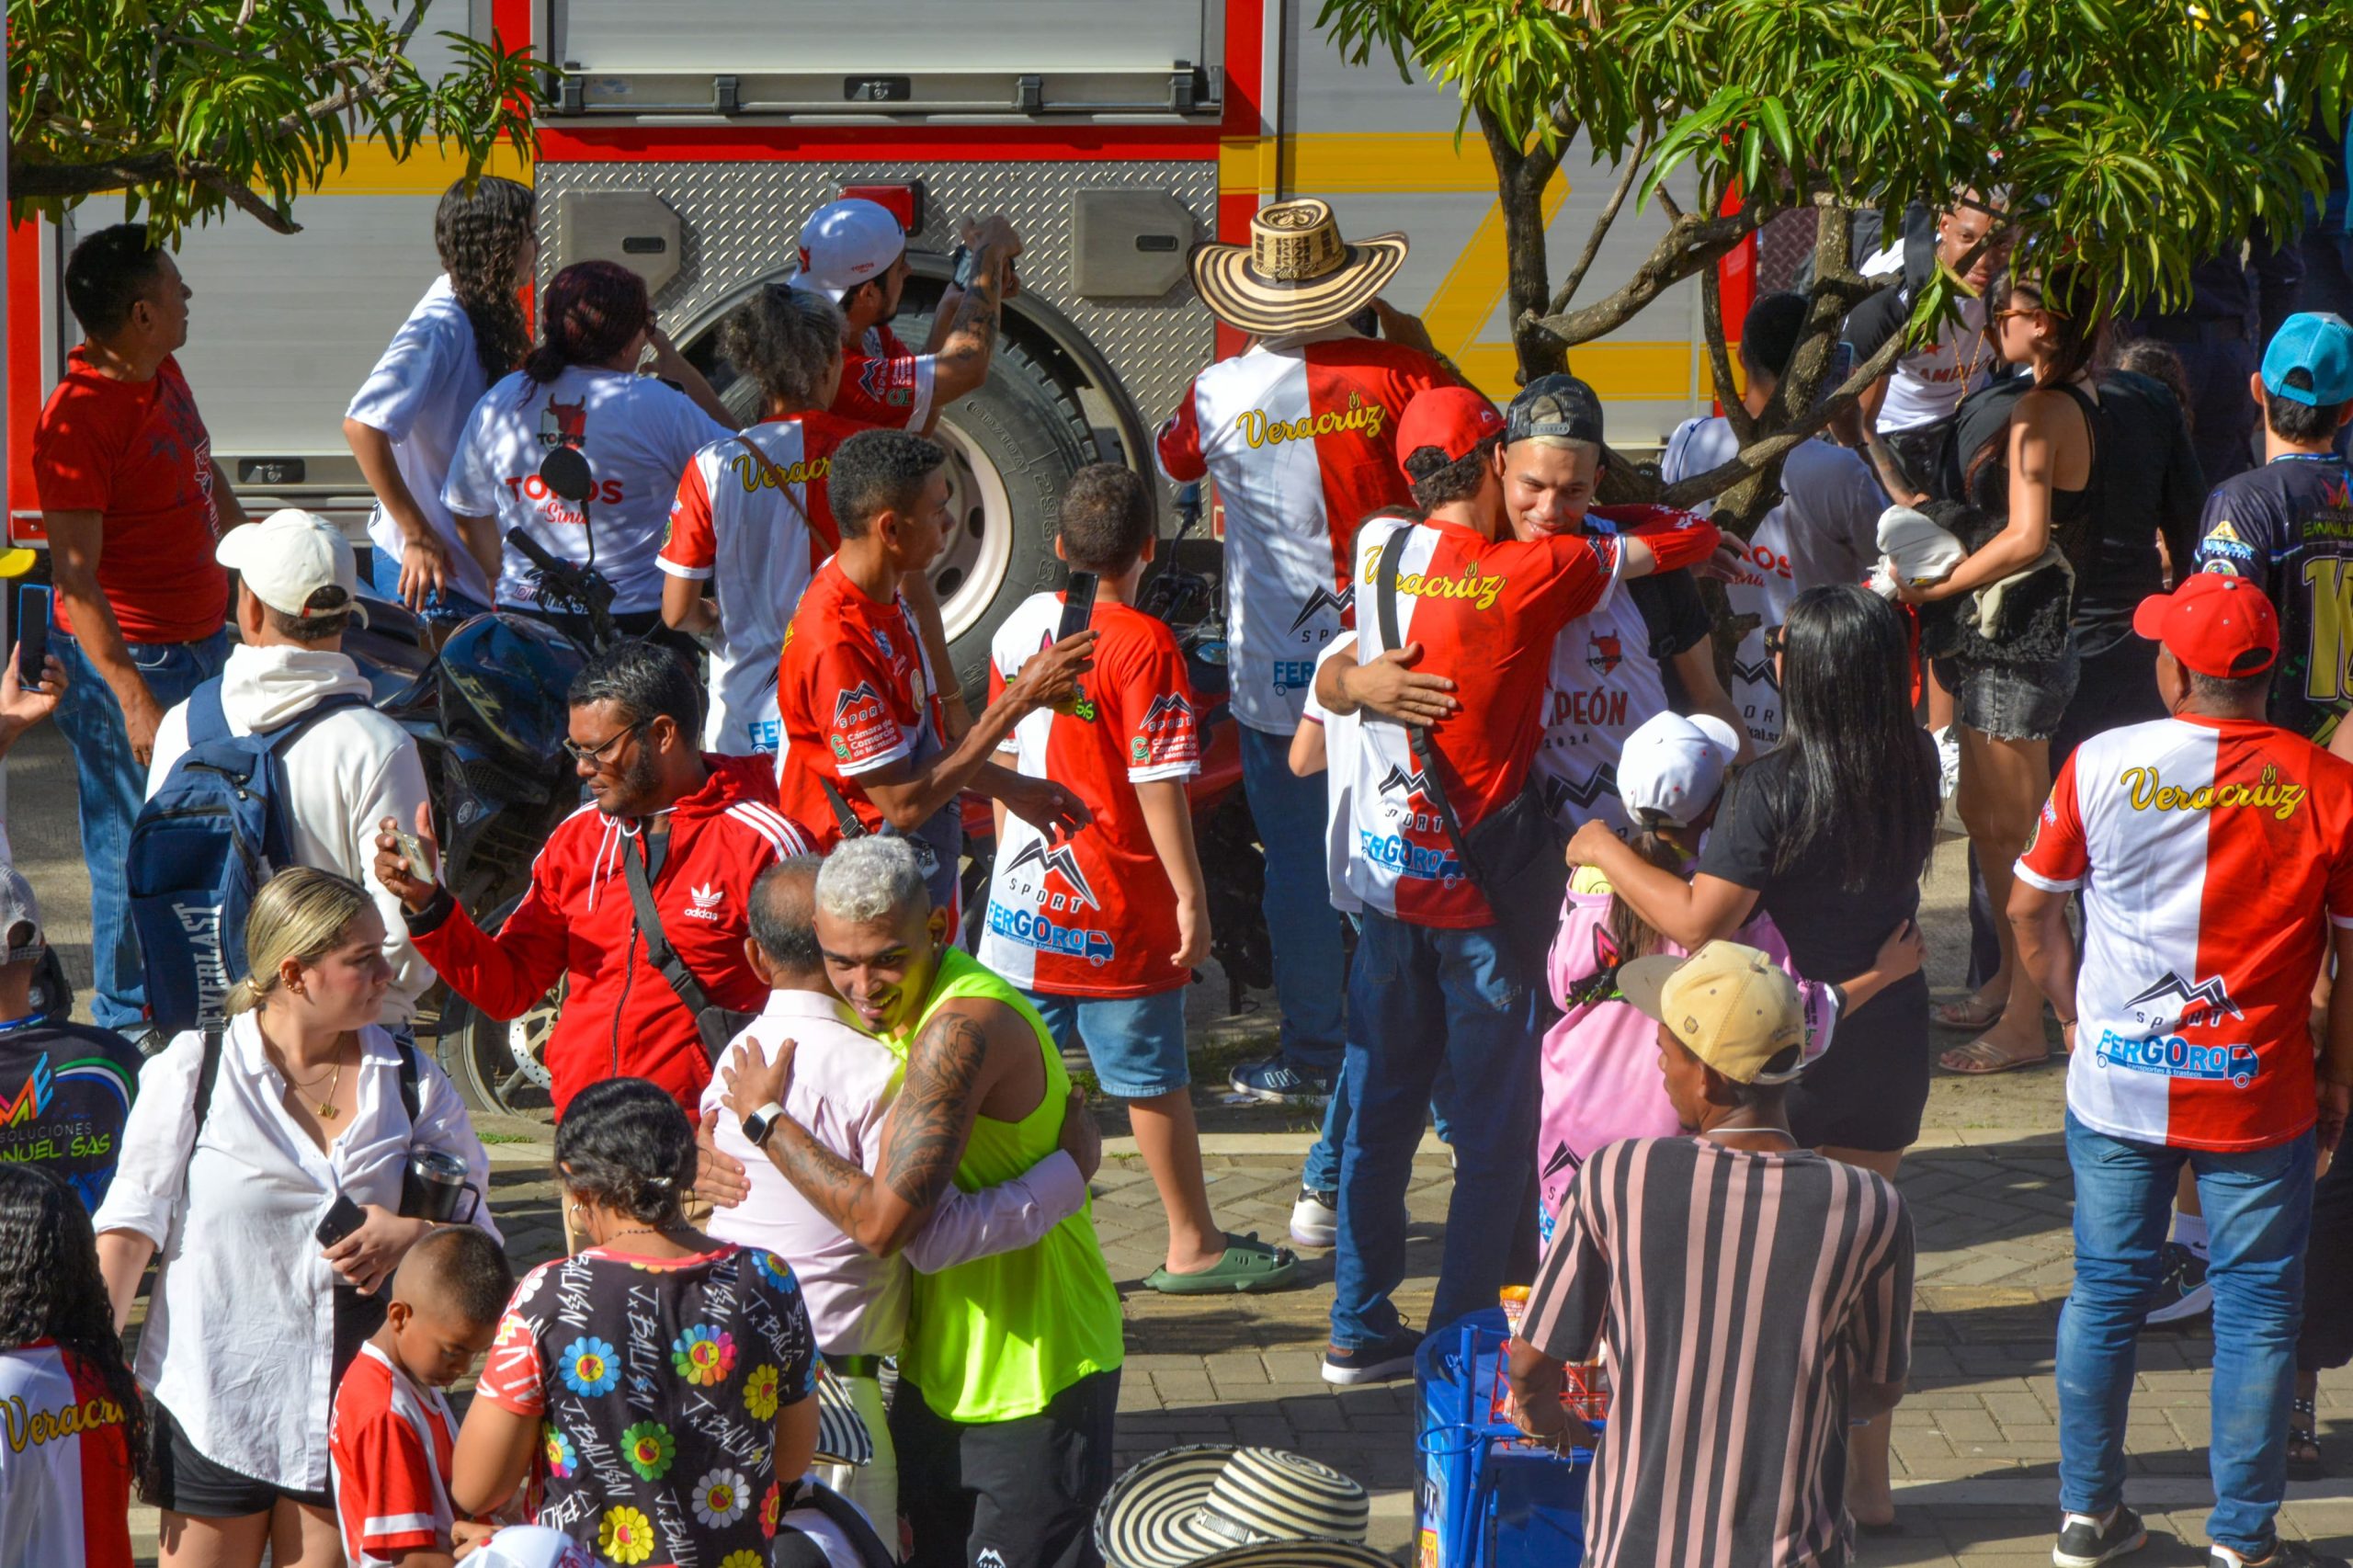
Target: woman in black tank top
x=2009, y=710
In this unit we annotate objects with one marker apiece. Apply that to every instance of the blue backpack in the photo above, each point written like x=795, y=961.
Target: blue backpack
x=200, y=850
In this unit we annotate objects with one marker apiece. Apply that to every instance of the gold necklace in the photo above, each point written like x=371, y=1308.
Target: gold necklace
x=325, y=1109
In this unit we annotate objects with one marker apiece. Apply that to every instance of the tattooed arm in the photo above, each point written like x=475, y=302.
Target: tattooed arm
x=969, y=341
x=950, y=1072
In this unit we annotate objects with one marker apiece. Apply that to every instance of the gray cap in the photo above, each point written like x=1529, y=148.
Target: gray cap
x=1555, y=407
x=18, y=909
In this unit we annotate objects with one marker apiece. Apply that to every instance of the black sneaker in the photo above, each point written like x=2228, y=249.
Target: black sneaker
x=1382, y=1363
x=2084, y=1543
x=2182, y=1292
x=2284, y=1554
x=1277, y=1082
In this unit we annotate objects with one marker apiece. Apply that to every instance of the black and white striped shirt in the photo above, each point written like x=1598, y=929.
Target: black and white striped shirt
x=1740, y=1296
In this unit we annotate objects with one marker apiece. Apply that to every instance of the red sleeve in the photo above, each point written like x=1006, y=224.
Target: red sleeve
x=1574, y=574
x=2340, y=875
x=76, y=450
x=849, y=692
x=503, y=975
x=1156, y=716
x=2056, y=855
x=690, y=548
x=1676, y=540
x=512, y=1377
x=1180, y=443
x=893, y=390
x=384, y=1488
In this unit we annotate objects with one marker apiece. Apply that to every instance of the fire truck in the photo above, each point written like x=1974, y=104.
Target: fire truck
x=690, y=138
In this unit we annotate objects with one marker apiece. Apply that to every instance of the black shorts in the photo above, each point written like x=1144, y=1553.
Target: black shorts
x=1867, y=1090
x=1023, y=1490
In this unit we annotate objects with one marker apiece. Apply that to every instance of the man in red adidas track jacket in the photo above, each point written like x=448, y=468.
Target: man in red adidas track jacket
x=707, y=827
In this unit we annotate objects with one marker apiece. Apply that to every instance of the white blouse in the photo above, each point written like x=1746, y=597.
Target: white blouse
x=239, y=1342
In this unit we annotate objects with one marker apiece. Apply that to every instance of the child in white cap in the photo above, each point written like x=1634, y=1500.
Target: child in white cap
x=1600, y=1064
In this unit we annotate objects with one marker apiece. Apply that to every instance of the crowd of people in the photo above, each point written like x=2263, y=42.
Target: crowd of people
x=1612, y=870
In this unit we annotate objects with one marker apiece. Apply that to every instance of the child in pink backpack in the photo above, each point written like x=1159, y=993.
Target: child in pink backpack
x=1601, y=1081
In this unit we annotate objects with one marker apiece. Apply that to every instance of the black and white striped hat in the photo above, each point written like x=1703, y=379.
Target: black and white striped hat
x=842, y=1437
x=1211, y=1503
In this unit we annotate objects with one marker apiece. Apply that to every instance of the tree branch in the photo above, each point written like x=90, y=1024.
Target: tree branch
x=1688, y=244
x=1626, y=177
x=1726, y=475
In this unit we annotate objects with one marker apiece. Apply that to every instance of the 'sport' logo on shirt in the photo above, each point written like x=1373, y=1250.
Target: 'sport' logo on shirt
x=2170, y=1056
x=1406, y=781
x=702, y=904
x=2147, y=791
x=1258, y=428
x=1470, y=584
x=2181, y=1006
x=1060, y=857
x=1322, y=599
x=861, y=704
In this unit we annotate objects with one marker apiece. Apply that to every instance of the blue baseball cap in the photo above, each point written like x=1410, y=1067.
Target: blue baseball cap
x=2320, y=345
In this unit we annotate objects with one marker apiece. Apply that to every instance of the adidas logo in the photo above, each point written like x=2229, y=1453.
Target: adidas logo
x=702, y=904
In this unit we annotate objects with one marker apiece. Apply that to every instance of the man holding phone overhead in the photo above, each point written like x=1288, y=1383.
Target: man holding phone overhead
x=132, y=502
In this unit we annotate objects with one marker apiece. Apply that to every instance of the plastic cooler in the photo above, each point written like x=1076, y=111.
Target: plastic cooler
x=1486, y=1499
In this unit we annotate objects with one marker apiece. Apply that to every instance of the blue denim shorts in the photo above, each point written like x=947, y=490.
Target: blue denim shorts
x=1136, y=1043
x=2021, y=701
x=444, y=606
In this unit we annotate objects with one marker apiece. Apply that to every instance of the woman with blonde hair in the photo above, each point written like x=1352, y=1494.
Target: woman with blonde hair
x=251, y=1145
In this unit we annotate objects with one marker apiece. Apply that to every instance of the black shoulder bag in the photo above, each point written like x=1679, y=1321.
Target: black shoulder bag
x=1513, y=856
x=715, y=1024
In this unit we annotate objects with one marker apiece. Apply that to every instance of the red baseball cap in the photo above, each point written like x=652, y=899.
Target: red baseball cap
x=2215, y=624
x=1452, y=419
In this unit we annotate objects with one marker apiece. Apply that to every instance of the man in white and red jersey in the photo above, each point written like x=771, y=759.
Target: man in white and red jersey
x=1635, y=655
x=1299, y=434
x=2207, y=847
x=65, y=1481
x=753, y=520
x=1102, y=930
x=854, y=252
x=864, y=748
x=699, y=829
x=1435, y=982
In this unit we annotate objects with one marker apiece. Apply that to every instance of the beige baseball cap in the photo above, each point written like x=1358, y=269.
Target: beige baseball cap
x=1732, y=1007
x=287, y=557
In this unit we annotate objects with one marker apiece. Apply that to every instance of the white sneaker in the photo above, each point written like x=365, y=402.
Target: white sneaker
x=1315, y=1218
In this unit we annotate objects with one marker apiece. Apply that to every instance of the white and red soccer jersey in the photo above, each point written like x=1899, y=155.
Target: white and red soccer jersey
x=1095, y=915
x=1486, y=613
x=2207, y=851
x=1300, y=436
x=65, y=1468
x=389, y=1448
x=885, y=382
x=758, y=532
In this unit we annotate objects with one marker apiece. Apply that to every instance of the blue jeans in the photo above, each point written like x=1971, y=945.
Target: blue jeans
x=2258, y=1213
x=1322, y=1171
x=443, y=606
x=112, y=784
x=1424, y=999
x=1290, y=814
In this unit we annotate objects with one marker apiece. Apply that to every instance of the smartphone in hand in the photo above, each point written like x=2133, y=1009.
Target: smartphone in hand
x=1078, y=605
x=341, y=1220
x=32, y=636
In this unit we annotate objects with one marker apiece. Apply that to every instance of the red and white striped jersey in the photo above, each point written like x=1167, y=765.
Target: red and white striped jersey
x=65, y=1470
x=1300, y=436
x=1486, y=613
x=1093, y=915
x=389, y=1448
x=755, y=531
x=2207, y=851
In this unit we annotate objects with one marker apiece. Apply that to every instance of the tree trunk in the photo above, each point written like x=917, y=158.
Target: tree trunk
x=1521, y=176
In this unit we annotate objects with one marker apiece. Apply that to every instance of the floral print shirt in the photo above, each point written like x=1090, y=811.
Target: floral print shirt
x=657, y=1383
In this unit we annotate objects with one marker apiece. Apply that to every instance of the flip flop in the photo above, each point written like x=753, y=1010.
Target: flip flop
x=1968, y=1015
x=2303, y=1433
x=1248, y=1264
x=1979, y=1059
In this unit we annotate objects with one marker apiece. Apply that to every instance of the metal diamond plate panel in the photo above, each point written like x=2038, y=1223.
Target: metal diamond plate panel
x=741, y=219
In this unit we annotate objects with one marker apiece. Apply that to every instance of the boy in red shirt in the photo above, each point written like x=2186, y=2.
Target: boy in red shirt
x=1103, y=928
x=393, y=1438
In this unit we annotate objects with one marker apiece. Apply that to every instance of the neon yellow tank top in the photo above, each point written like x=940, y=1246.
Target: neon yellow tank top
x=998, y=1337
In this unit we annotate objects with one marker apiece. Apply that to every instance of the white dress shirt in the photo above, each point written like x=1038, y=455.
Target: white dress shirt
x=240, y=1335
x=843, y=1084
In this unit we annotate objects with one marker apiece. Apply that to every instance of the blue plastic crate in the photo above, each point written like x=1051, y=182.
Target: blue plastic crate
x=1484, y=1501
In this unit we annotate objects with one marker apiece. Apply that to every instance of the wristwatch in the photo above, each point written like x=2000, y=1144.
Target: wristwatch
x=761, y=1122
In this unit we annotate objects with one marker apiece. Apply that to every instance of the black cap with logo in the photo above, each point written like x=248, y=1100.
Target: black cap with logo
x=1558, y=407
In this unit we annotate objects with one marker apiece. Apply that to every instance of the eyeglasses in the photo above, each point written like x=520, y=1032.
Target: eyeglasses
x=1775, y=642
x=600, y=753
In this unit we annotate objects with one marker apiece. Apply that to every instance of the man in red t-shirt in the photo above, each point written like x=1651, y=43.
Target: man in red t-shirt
x=133, y=505
x=864, y=748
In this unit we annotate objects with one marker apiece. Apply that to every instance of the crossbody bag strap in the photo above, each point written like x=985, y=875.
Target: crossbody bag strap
x=1417, y=738
x=775, y=477
x=658, y=950
x=845, y=820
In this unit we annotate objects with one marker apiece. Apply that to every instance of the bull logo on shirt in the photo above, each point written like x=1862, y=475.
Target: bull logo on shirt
x=1602, y=652
x=1059, y=858
x=2183, y=1006
x=1260, y=429
x=563, y=424
x=1319, y=601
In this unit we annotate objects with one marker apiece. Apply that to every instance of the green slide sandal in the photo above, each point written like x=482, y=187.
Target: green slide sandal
x=1248, y=1264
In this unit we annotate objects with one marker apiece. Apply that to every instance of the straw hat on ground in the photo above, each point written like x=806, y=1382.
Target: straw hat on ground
x=1212, y=1503
x=1296, y=274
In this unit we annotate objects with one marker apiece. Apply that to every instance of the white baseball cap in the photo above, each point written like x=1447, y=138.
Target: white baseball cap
x=531, y=1546
x=846, y=243
x=290, y=556
x=1675, y=765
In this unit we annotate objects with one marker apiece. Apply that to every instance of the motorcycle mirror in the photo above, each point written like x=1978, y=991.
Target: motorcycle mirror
x=565, y=471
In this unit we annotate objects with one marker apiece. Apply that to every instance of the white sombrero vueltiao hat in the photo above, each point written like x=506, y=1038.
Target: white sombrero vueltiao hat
x=1211, y=1503
x=1296, y=274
